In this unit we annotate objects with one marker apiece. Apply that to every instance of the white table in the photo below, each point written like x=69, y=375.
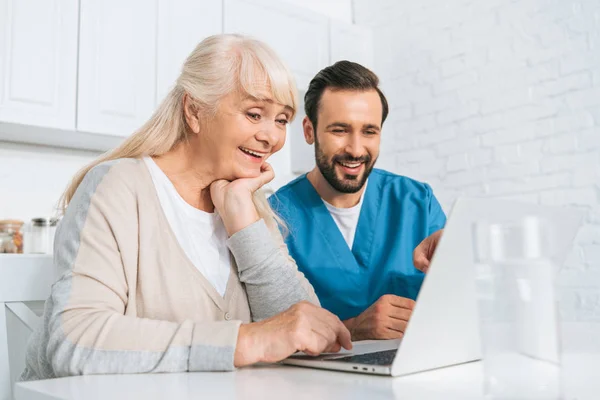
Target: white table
x=290, y=383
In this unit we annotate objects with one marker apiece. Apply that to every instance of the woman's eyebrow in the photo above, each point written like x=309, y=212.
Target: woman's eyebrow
x=249, y=97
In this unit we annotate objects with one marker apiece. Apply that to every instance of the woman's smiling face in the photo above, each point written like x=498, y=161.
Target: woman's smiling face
x=243, y=133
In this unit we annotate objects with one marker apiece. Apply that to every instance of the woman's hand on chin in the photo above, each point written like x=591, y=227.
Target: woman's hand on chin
x=233, y=200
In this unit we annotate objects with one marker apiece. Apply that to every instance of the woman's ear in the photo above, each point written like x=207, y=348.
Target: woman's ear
x=190, y=110
x=309, y=132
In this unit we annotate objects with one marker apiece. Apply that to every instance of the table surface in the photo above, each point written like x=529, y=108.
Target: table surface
x=290, y=383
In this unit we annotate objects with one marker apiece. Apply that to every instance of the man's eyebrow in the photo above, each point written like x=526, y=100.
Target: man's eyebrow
x=372, y=126
x=345, y=125
x=338, y=124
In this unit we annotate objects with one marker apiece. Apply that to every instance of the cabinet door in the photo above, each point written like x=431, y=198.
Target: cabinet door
x=298, y=35
x=117, y=65
x=38, y=62
x=351, y=42
x=182, y=24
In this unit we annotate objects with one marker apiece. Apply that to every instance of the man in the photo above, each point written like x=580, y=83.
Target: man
x=352, y=228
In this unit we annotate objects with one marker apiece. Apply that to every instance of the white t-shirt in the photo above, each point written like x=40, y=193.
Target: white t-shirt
x=202, y=235
x=347, y=218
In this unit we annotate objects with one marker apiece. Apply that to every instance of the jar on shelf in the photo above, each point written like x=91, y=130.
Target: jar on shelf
x=11, y=238
x=41, y=235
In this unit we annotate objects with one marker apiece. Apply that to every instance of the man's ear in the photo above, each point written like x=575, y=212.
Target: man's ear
x=309, y=131
x=190, y=110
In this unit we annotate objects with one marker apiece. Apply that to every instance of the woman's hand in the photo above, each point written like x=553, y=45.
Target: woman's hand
x=303, y=327
x=233, y=200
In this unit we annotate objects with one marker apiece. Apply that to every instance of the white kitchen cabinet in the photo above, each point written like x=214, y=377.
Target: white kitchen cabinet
x=351, y=42
x=182, y=24
x=299, y=36
x=87, y=73
x=117, y=65
x=38, y=62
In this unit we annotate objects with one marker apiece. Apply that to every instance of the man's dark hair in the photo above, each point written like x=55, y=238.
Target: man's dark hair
x=343, y=75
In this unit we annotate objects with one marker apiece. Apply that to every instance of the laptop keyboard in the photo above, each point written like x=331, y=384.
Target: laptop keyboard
x=378, y=358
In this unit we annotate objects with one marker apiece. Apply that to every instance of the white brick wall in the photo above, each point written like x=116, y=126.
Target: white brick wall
x=498, y=98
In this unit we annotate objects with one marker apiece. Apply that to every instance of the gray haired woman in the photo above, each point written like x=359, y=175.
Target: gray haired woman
x=170, y=257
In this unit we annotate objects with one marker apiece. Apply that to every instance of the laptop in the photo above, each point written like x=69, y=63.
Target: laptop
x=444, y=326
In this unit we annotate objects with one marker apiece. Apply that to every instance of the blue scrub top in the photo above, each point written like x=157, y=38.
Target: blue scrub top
x=396, y=215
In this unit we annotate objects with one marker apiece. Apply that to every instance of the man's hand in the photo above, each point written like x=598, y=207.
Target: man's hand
x=387, y=318
x=424, y=251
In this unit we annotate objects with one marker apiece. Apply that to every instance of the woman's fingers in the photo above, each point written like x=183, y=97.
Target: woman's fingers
x=334, y=348
x=321, y=326
x=253, y=184
x=338, y=330
x=344, y=338
x=316, y=344
x=326, y=332
x=266, y=174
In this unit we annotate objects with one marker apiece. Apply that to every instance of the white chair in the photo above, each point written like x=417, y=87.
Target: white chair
x=25, y=282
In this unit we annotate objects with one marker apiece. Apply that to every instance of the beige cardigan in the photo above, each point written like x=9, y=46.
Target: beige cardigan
x=128, y=299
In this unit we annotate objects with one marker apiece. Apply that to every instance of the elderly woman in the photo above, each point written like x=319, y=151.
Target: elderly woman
x=168, y=251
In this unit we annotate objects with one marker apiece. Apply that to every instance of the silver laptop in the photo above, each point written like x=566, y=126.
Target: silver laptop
x=443, y=328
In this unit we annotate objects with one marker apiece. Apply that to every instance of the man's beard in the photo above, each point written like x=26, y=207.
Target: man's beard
x=350, y=183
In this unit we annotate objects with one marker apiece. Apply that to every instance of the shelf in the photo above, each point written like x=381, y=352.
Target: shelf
x=72, y=139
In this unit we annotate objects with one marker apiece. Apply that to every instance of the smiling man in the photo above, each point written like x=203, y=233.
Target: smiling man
x=362, y=236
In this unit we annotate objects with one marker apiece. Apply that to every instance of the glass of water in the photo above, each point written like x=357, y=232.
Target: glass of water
x=515, y=279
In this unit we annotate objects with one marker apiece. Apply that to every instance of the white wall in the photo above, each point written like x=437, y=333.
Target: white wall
x=337, y=9
x=498, y=98
x=32, y=178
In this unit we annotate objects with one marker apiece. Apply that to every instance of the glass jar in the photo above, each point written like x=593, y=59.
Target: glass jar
x=11, y=238
x=520, y=334
x=41, y=235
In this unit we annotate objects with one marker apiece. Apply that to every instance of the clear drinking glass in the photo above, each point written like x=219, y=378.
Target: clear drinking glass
x=517, y=306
